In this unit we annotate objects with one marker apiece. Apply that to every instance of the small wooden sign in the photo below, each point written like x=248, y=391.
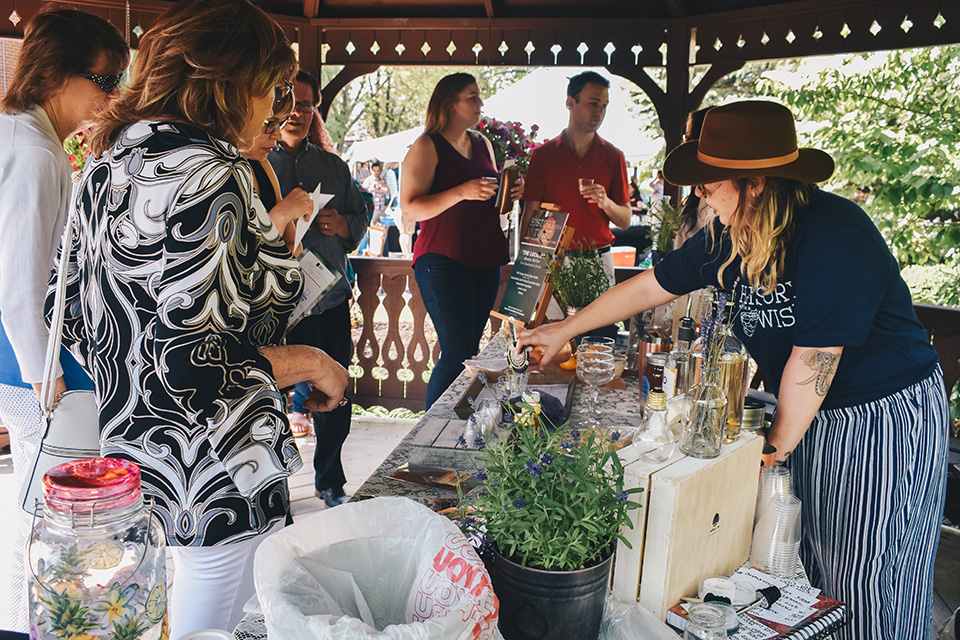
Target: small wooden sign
x=528, y=290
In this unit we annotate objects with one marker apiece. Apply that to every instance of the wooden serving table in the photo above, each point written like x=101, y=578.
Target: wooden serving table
x=429, y=443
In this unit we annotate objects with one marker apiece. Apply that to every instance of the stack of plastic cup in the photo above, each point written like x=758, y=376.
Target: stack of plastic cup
x=776, y=540
x=774, y=481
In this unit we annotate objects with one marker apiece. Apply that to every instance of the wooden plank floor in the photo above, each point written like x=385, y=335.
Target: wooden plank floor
x=371, y=440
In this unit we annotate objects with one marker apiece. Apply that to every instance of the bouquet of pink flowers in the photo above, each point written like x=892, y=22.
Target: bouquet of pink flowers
x=510, y=141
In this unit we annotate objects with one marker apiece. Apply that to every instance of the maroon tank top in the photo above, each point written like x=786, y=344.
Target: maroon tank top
x=469, y=231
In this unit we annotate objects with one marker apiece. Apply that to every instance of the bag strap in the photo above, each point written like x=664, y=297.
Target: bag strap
x=49, y=388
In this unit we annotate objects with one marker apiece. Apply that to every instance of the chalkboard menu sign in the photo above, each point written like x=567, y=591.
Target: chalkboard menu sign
x=528, y=288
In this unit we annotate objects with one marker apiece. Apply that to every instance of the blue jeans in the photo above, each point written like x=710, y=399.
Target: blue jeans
x=459, y=299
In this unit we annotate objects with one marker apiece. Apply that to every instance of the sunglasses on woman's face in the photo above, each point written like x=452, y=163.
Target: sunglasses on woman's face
x=281, y=92
x=108, y=84
x=274, y=125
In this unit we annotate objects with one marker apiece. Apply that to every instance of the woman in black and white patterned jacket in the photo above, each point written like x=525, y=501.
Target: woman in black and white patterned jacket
x=180, y=293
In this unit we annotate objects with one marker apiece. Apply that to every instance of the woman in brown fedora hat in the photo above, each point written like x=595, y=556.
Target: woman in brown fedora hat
x=861, y=406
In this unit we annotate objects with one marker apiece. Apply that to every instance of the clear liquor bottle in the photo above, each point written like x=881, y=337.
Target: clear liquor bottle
x=678, y=374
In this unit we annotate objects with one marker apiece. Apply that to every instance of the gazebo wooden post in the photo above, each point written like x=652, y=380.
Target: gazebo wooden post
x=678, y=100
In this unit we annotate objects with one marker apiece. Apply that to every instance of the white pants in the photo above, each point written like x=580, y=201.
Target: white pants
x=20, y=414
x=211, y=585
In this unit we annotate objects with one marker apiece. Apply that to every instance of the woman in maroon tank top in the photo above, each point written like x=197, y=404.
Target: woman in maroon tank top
x=447, y=184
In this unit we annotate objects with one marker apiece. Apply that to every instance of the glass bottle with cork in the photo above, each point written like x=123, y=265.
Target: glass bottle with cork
x=677, y=372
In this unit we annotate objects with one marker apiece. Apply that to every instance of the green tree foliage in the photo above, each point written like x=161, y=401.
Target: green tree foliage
x=890, y=121
x=393, y=99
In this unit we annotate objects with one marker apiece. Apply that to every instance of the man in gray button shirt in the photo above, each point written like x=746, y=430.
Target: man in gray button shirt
x=336, y=230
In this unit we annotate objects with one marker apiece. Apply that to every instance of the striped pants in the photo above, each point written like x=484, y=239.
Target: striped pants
x=872, y=479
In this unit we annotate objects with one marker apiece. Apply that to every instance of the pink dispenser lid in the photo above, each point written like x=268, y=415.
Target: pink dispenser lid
x=91, y=485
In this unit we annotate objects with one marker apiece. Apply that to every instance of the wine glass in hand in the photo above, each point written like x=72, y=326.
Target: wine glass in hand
x=594, y=368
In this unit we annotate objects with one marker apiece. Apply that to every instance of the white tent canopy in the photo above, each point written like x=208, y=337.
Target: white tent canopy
x=537, y=98
x=391, y=148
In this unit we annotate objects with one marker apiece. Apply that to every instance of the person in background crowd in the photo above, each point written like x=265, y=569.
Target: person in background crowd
x=582, y=173
x=393, y=184
x=376, y=185
x=447, y=185
x=336, y=231
x=694, y=212
x=56, y=89
x=180, y=316
x=861, y=417
x=283, y=211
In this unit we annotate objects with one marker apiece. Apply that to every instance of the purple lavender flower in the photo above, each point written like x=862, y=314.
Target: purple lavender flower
x=567, y=444
x=575, y=434
x=481, y=476
x=614, y=436
x=519, y=502
x=533, y=468
x=546, y=459
x=623, y=496
x=482, y=377
x=479, y=443
x=461, y=442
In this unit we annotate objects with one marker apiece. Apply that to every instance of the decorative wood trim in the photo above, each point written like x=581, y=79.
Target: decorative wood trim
x=348, y=73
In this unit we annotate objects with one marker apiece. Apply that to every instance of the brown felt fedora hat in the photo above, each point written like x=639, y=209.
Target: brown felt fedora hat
x=742, y=139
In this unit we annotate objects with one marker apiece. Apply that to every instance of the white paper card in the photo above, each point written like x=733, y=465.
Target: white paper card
x=319, y=201
x=796, y=600
x=750, y=629
x=318, y=279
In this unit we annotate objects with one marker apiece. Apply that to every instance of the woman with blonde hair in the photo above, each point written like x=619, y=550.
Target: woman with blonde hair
x=861, y=416
x=180, y=293
x=56, y=89
x=448, y=181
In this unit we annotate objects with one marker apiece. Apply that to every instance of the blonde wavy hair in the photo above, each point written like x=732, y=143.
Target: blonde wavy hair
x=202, y=62
x=760, y=229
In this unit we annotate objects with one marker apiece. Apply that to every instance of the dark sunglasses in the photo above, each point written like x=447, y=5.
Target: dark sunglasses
x=274, y=125
x=108, y=84
x=281, y=92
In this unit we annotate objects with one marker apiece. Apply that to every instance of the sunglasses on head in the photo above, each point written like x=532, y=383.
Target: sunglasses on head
x=274, y=125
x=281, y=92
x=107, y=83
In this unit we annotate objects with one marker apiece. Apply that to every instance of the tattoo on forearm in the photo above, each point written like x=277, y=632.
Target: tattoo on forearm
x=824, y=365
x=781, y=459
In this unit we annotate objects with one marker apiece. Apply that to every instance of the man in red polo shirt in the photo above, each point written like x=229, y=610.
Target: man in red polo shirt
x=557, y=167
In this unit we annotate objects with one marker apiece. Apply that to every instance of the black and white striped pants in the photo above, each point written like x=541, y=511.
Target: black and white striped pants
x=872, y=479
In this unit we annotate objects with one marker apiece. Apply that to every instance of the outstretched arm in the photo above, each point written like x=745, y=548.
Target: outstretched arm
x=637, y=294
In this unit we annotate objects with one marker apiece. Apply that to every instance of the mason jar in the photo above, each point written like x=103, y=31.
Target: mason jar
x=97, y=558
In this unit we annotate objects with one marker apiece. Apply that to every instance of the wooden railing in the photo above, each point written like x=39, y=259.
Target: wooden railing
x=397, y=346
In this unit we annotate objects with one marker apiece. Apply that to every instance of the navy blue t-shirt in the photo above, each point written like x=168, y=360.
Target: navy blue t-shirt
x=840, y=287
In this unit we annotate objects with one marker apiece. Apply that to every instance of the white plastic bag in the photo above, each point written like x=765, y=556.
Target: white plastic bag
x=386, y=568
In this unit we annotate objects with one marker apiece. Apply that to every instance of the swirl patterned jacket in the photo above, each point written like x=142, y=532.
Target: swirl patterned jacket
x=177, y=277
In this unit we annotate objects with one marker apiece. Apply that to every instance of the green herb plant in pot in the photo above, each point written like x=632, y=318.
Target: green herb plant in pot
x=551, y=507
x=579, y=279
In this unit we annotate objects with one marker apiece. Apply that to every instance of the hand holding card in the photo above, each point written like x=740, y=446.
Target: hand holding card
x=319, y=200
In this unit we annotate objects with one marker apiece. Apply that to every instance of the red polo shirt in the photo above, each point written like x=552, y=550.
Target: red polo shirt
x=553, y=176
